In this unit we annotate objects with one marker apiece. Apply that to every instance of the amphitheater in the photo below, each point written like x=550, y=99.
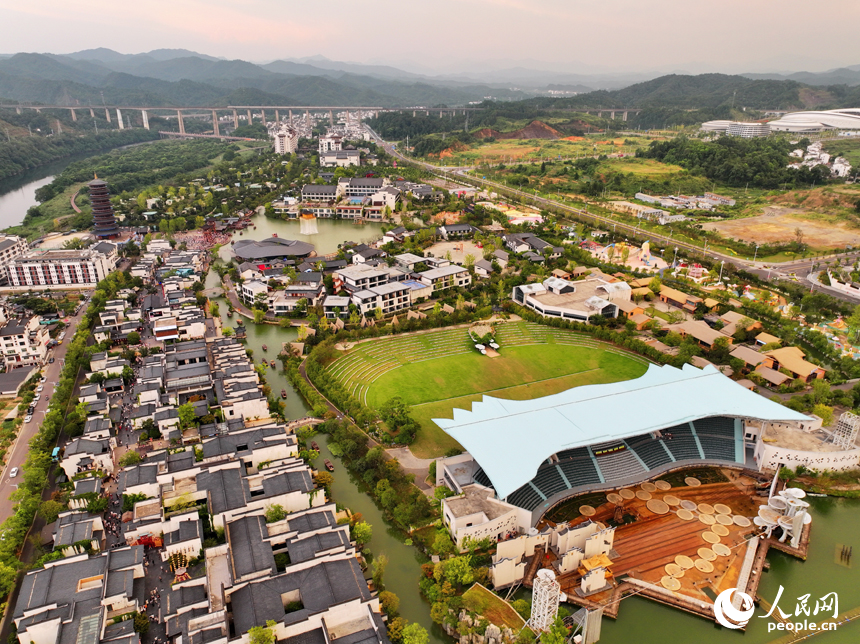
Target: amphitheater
x=369, y=360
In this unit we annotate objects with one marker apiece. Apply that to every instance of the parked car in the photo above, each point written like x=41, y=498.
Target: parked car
x=37, y=397
x=40, y=388
x=51, y=361
x=13, y=473
x=28, y=418
x=43, y=379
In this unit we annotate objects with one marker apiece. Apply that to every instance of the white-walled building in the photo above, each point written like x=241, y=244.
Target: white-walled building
x=57, y=269
x=286, y=140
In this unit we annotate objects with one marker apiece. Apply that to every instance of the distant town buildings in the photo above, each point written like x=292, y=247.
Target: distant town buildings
x=815, y=156
x=743, y=129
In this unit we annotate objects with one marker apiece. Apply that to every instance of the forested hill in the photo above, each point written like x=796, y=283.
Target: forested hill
x=711, y=91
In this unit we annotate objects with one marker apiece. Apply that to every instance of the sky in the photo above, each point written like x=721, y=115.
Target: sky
x=576, y=36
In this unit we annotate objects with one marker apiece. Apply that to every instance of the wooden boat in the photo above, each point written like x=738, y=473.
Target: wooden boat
x=265, y=348
x=272, y=364
x=229, y=314
x=314, y=446
x=328, y=465
x=283, y=393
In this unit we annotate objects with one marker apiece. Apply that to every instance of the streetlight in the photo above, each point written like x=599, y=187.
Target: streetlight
x=721, y=270
x=756, y=253
x=675, y=261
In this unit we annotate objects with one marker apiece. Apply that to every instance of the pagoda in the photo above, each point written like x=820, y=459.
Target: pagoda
x=103, y=215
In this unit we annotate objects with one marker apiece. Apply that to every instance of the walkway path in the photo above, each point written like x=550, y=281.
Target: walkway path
x=72, y=201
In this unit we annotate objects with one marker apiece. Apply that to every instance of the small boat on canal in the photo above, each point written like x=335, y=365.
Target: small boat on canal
x=283, y=393
x=265, y=348
x=272, y=364
x=315, y=446
x=328, y=465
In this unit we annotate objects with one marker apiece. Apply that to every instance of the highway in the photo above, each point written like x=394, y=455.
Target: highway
x=781, y=270
x=18, y=452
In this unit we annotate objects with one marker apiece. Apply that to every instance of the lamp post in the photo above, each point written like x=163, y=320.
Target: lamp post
x=756, y=253
x=675, y=261
x=721, y=270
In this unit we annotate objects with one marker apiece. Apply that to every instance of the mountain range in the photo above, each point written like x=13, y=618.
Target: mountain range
x=183, y=78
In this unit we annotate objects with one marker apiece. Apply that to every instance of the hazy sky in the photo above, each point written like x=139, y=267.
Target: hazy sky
x=454, y=35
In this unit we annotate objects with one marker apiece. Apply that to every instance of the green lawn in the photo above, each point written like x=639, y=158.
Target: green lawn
x=435, y=387
x=492, y=607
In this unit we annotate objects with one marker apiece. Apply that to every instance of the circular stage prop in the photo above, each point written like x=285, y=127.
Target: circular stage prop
x=741, y=521
x=721, y=550
x=587, y=511
x=684, y=561
x=627, y=493
x=688, y=505
x=692, y=481
x=670, y=583
x=663, y=485
x=705, y=508
x=704, y=566
x=674, y=570
x=648, y=486
x=720, y=530
x=614, y=497
x=642, y=494
x=710, y=537
x=707, y=554
x=657, y=506
x=722, y=508
x=672, y=500
x=685, y=515
x=707, y=519
x=724, y=519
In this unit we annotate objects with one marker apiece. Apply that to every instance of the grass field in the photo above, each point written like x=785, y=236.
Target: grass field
x=436, y=372
x=642, y=167
x=489, y=605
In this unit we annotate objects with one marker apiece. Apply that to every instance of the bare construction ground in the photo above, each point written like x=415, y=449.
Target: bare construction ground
x=778, y=224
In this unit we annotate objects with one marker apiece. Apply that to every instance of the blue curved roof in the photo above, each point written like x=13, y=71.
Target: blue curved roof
x=511, y=438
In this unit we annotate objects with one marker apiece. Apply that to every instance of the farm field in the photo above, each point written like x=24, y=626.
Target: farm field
x=447, y=372
x=513, y=150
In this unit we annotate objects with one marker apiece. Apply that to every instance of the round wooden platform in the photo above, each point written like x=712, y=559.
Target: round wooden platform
x=705, y=508
x=710, y=537
x=741, y=521
x=722, y=508
x=685, y=515
x=670, y=583
x=724, y=519
x=642, y=494
x=720, y=530
x=707, y=554
x=688, y=505
x=657, y=506
x=614, y=497
x=721, y=550
x=587, y=511
x=670, y=499
x=627, y=493
x=684, y=561
x=707, y=519
x=704, y=566
x=674, y=570
x=648, y=486
x=692, y=481
x=663, y=485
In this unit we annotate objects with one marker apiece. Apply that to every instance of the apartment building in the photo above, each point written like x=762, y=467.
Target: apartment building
x=24, y=342
x=389, y=298
x=58, y=269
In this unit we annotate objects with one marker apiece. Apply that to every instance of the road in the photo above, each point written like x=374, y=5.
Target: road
x=781, y=270
x=18, y=452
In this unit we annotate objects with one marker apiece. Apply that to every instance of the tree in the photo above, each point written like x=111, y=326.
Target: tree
x=214, y=311
x=186, y=414
x=324, y=479
x=469, y=261
x=226, y=331
x=557, y=633
x=127, y=374
x=275, y=512
x=395, y=627
x=824, y=412
x=415, y=634
x=262, y=634
x=141, y=622
x=820, y=391
x=131, y=457
x=134, y=337
x=390, y=602
x=379, y=564
x=655, y=285
x=50, y=510
x=259, y=316
x=442, y=544
x=362, y=533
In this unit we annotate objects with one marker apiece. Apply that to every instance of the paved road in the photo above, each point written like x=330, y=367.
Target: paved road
x=28, y=430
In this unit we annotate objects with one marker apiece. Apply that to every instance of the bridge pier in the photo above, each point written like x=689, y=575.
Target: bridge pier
x=74, y=116
x=18, y=109
x=440, y=114
x=263, y=115
x=612, y=115
x=308, y=117
x=215, y=129
x=331, y=118
x=235, y=119
x=119, y=120
x=59, y=127
x=291, y=118
x=145, y=116
x=107, y=115
x=413, y=113
x=277, y=116
x=250, y=117
x=624, y=116
x=181, y=122
x=347, y=117
x=92, y=112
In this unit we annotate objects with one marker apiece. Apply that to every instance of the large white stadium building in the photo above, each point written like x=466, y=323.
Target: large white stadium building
x=802, y=122
x=526, y=456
